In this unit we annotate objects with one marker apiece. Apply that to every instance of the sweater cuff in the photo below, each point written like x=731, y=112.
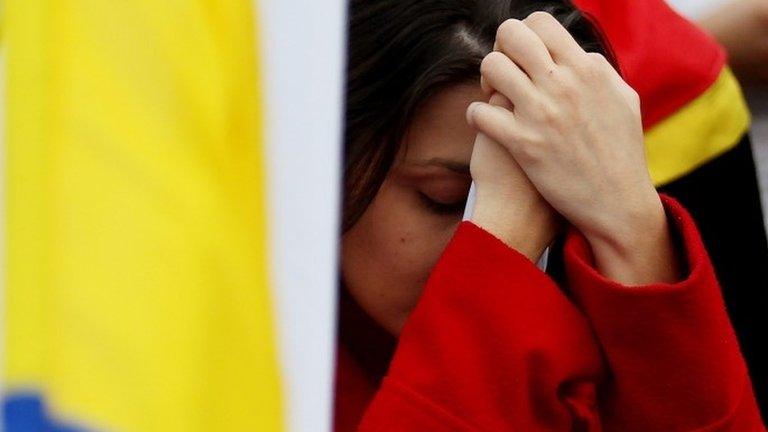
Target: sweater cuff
x=474, y=246
x=670, y=347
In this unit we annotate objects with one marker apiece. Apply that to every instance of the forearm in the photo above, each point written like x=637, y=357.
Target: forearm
x=525, y=228
x=507, y=204
x=674, y=359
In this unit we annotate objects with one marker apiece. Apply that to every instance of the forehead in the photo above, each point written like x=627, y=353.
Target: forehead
x=440, y=129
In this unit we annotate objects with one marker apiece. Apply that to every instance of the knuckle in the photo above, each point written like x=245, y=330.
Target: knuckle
x=597, y=58
x=491, y=63
x=602, y=62
x=592, y=68
x=634, y=100
x=539, y=18
x=551, y=114
x=632, y=94
x=507, y=30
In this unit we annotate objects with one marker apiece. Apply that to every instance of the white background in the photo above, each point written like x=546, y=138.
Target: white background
x=303, y=43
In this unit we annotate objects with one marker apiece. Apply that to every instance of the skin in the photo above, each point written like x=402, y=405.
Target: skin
x=389, y=253
x=552, y=137
x=741, y=26
x=575, y=131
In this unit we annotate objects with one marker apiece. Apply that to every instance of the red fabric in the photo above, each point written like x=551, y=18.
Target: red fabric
x=495, y=345
x=353, y=393
x=665, y=58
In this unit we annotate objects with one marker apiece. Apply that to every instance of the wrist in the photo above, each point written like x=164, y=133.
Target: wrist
x=631, y=223
x=526, y=225
x=639, y=250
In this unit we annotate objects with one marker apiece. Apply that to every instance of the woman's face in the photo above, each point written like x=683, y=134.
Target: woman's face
x=389, y=253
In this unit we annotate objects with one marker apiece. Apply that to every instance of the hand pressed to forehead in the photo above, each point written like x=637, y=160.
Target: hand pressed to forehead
x=572, y=125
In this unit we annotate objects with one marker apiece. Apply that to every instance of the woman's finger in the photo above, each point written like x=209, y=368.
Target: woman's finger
x=487, y=89
x=501, y=74
x=524, y=47
x=497, y=122
x=561, y=45
x=499, y=100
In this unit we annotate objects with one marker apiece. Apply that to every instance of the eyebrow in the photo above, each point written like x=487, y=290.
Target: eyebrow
x=453, y=165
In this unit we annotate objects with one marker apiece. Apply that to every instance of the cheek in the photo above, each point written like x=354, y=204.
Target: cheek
x=388, y=255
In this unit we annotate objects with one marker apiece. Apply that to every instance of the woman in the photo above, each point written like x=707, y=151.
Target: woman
x=449, y=325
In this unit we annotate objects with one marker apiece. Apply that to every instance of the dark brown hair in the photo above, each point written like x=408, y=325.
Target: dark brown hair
x=400, y=53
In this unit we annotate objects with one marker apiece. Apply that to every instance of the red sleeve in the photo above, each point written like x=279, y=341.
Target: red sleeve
x=674, y=358
x=489, y=347
x=494, y=345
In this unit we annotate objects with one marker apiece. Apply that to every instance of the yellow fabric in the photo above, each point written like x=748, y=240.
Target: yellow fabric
x=137, y=288
x=708, y=126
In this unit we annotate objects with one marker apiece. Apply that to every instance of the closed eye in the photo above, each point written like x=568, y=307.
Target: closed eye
x=443, y=208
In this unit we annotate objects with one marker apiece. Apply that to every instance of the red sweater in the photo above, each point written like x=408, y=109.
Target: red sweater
x=495, y=345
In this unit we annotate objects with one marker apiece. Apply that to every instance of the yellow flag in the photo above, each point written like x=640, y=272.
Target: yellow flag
x=137, y=286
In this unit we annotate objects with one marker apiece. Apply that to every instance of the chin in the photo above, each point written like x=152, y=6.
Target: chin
x=395, y=325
